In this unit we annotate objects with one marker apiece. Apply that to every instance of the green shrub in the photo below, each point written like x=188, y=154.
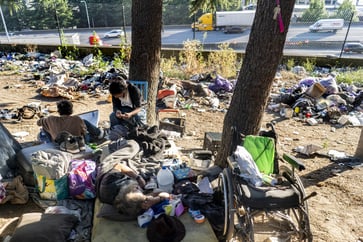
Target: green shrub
x=190, y=58
x=171, y=68
x=290, y=64
x=351, y=77
x=224, y=61
x=309, y=64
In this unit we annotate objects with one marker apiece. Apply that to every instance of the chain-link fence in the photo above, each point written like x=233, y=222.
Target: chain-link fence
x=328, y=31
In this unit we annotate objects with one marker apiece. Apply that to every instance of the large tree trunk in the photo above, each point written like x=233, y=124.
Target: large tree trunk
x=146, y=46
x=263, y=55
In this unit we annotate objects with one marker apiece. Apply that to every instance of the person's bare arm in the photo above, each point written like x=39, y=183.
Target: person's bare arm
x=130, y=173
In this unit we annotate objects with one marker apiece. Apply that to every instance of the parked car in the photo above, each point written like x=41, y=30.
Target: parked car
x=353, y=47
x=116, y=33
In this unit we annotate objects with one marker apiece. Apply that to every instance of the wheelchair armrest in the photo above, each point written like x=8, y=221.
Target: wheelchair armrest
x=233, y=165
x=292, y=160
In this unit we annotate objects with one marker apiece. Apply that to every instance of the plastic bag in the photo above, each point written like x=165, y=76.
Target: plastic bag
x=81, y=179
x=249, y=169
x=52, y=189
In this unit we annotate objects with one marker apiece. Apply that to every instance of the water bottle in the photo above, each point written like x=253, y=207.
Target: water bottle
x=165, y=179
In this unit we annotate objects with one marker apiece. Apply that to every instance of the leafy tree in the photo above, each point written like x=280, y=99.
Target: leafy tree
x=263, y=55
x=49, y=14
x=9, y=9
x=345, y=11
x=315, y=11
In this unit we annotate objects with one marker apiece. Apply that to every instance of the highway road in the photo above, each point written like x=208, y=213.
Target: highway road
x=298, y=38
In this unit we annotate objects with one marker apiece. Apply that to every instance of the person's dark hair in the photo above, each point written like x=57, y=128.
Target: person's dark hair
x=65, y=107
x=129, y=202
x=117, y=86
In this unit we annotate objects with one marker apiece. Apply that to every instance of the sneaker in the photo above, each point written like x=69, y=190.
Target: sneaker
x=70, y=145
x=81, y=144
x=103, y=133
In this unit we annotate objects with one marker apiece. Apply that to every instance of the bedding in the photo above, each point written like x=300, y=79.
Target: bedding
x=111, y=230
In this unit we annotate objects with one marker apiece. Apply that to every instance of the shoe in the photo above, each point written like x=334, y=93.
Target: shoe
x=103, y=133
x=70, y=145
x=81, y=144
x=116, y=145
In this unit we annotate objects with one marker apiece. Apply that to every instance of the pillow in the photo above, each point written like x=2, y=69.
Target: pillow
x=108, y=211
x=44, y=227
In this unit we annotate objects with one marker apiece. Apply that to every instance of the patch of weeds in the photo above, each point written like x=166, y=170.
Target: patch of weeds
x=223, y=62
x=290, y=64
x=309, y=64
x=121, y=58
x=351, y=77
x=171, y=68
x=191, y=59
x=99, y=64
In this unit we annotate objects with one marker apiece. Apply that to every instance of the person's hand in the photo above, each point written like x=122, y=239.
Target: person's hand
x=126, y=115
x=140, y=181
x=164, y=195
x=118, y=114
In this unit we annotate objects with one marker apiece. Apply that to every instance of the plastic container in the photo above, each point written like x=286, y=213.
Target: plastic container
x=165, y=179
x=269, y=180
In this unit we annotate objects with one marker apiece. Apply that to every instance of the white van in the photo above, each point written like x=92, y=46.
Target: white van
x=327, y=25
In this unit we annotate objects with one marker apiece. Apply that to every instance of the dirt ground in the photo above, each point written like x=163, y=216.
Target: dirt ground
x=336, y=213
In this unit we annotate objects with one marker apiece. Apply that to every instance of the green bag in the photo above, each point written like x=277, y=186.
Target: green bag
x=262, y=150
x=50, y=189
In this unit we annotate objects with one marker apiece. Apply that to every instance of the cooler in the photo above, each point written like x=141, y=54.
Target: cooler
x=212, y=141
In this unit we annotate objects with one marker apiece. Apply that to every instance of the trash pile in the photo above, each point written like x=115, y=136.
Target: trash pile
x=316, y=100
x=313, y=100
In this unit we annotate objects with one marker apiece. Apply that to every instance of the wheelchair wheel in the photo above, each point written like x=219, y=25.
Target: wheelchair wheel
x=300, y=215
x=225, y=188
x=238, y=225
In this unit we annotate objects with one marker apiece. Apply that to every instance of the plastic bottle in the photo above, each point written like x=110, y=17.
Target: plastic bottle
x=269, y=180
x=165, y=179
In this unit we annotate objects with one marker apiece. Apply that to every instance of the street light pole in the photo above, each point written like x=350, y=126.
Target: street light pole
x=3, y=19
x=85, y=5
x=123, y=20
x=346, y=35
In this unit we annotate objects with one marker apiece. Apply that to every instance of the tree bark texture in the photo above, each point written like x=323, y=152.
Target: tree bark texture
x=359, y=150
x=146, y=48
x=264, y=52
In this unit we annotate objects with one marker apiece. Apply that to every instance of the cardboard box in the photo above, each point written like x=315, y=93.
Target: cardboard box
x=173, y=124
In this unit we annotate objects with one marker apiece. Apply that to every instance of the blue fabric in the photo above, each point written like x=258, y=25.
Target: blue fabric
x=158, y=208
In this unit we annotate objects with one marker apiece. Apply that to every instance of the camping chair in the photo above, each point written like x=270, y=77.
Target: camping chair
x=143, y=86
x=252, y=211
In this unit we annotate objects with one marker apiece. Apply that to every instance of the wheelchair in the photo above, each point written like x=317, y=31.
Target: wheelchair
x=251, y=213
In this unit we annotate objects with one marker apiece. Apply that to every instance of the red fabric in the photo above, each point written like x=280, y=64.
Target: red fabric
x=165, y=93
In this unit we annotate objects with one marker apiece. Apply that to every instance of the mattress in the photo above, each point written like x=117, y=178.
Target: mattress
x=115, y=231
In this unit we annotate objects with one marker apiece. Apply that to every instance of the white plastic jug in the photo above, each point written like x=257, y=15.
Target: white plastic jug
x=165, y=179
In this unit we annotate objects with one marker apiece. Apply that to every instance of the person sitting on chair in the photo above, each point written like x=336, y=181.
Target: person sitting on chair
x=54, y=125
x=126, y=104
x=121, y=187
